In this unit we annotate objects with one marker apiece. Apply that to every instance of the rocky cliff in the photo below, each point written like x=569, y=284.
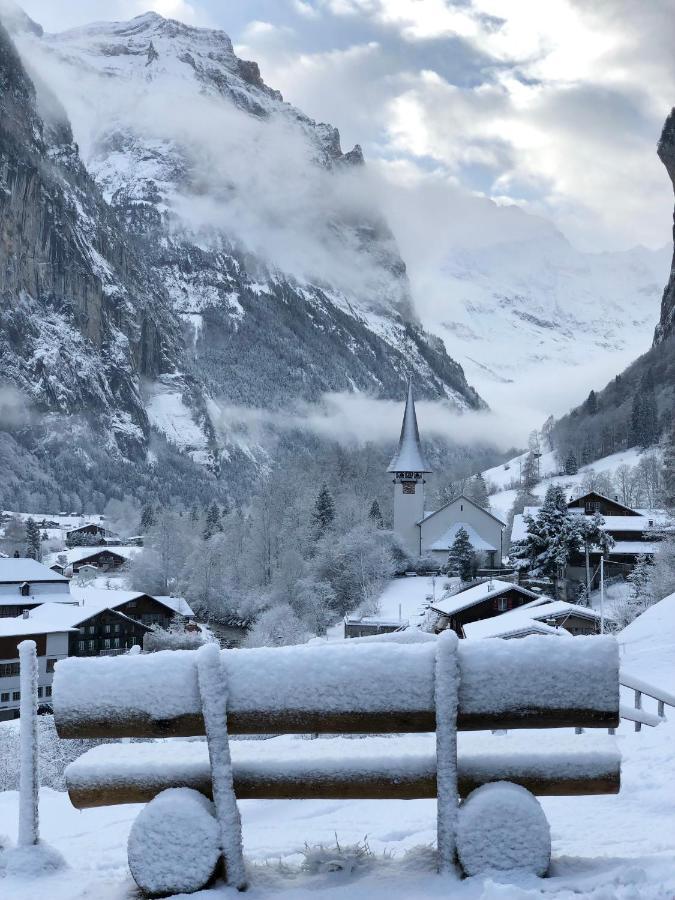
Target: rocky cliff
x=666, y=151
x=80, y=320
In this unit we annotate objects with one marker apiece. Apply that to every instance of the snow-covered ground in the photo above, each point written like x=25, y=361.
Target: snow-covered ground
x=502, y=477
x=607, y=848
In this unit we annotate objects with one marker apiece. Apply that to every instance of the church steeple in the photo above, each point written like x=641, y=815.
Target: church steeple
x=409, y=467
x=409, y=457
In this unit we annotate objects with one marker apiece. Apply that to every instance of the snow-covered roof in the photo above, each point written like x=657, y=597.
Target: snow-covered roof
x=446, y=540
x=92, y=597
x=177, y=604
x=530, y=619
x=637, y=524
x=13, y=570
x=639, y=547
x=75, y=554
x=409, y=456
x=477, y=594
x=57, y=618
x=508, y=626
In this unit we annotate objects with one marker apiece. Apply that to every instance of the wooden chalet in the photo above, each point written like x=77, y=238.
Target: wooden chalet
x=481, y=601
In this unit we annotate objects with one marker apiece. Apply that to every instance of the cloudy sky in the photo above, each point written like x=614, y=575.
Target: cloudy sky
x=554, y=106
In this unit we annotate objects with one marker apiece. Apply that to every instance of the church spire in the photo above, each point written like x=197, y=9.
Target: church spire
x=409, y=457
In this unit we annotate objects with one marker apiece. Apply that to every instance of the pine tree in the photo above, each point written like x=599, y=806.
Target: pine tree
x=212, y=523
x=644, y=426
x=591, y=404
x=552, y=536
x=375, y=514
x=571, y=466
x=33, y=540
x=478, y=492
x=148, y=517
x=461, y=558
x=530, y=471
x=324, y=512
x=669, y=469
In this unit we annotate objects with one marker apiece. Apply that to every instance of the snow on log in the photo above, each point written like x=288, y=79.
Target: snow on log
x=502, y=828
x=446, y=693
x=367, y=688
x=29, y=779
x=340, y=768
x=213, y=690
x=174, y=844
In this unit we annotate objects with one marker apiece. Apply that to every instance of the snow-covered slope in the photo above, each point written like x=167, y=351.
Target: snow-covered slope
x=286, y=279
x=516, y=308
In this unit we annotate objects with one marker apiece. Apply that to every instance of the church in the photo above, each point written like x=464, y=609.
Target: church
x=431, y=533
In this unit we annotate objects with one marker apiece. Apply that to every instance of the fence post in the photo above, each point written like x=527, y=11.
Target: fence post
x=638, y=705
x=29, y=783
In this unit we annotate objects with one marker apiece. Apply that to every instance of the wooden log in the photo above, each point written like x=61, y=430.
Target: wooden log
x=136, y=773
x=367, y=688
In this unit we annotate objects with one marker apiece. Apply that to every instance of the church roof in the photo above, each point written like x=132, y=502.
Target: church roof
x=409, y=457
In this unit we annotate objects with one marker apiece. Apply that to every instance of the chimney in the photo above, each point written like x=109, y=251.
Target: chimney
x=26, y=613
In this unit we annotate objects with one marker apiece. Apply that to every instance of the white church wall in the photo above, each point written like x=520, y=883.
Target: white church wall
x=460, y=510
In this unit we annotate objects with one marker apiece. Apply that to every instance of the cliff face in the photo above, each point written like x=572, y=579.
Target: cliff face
x=666, y=151
x=80, y=318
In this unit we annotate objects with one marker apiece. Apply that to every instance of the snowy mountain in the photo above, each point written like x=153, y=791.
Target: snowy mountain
x=534, y=303
x=277, y=279
x=666, y=151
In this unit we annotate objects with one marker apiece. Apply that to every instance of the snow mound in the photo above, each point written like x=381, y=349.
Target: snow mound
x=174, y=844
x=33, y=861
x=501, y=827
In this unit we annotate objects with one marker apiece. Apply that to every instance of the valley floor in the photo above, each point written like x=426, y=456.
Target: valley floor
x=607, y=848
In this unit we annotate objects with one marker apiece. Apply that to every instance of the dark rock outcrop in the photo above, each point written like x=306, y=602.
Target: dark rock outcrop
x=666, y=151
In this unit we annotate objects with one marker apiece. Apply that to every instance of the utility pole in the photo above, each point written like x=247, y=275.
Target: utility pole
x=602, y=594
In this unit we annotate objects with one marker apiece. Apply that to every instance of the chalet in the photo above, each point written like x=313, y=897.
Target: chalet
x=105, y=559
x=51, y=639
x=431, y=533
x=481, y=601
x=89, y=534
x=541, y=616
x=25, y=584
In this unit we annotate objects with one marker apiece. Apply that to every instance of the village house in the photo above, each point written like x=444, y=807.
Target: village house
x=104, y=559
x=365, y=626
x=25, y=584
x=431, y=533
x=541, y=616
x=481, y=601
x=636, y=533
x=90, y=534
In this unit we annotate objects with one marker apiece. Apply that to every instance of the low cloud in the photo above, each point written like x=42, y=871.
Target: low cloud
x=355, y=419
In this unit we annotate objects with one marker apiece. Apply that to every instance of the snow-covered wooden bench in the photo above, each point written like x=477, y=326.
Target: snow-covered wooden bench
x=371, y=687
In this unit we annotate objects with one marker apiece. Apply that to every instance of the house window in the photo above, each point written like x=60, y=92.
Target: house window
x=117, y=628
x=16, y=695
x=48, y=690
x=82, y=645
x=107, y=629
x=91, y=629
x=50, y=665
x=39, y=692
x=502, y=604
x=4, y=697
x=592, y=506
x=25, y=589
x=106, y=644
x=92, y=645
x=116, y=643
x=9, y=670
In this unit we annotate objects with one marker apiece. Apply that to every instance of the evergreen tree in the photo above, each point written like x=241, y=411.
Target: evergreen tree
x=644, y=427
x=591, y=404
x=148, y=518
x=194, y=513
x=530, y=471
x=375, y=514
x=324, y=512
x=477, y=491
x=213, y=522
x=669, y=469
x=552, y=536
x=571, y=467
x=33, y=540
x=461, y=558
